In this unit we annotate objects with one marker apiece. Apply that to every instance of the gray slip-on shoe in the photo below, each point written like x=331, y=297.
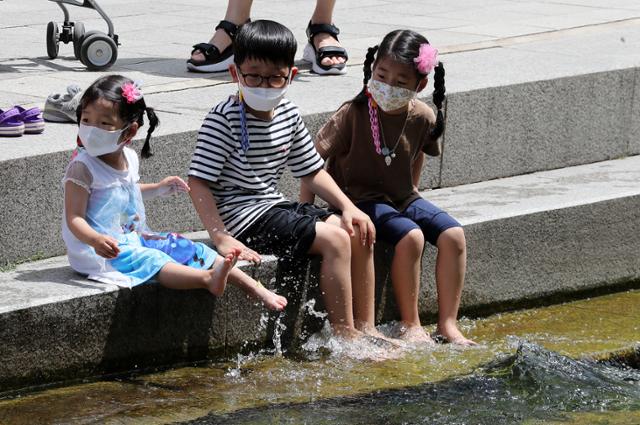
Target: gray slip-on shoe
x=62, y=107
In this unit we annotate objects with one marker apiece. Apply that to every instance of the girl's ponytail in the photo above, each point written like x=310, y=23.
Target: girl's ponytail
x=370, y=58
x=153, y=123
x=368, y=62
x=438, y=99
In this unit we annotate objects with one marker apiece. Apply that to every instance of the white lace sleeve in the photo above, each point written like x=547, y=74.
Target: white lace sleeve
x=78, y=173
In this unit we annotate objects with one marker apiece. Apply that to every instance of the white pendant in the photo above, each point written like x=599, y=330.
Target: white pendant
x=385, y=151
x=387, y=160
x=393, y=154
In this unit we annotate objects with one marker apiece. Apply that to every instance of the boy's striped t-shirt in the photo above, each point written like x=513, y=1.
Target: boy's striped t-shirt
x=244, y=185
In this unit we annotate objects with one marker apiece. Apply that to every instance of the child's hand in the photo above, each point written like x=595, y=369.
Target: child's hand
x=228, y=244
x=353, y=216
x=172, y=185
x=106, y=246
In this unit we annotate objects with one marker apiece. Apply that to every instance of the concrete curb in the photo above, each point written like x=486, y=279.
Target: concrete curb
x=529, y=237
x=491, y=133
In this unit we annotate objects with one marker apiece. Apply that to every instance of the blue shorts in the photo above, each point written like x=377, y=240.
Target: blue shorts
x=392, y=225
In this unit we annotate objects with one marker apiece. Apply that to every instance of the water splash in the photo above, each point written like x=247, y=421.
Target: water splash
x=236, y=372
x=309, y=307
x=325, y=343
x=533, y=386
x=278, y=329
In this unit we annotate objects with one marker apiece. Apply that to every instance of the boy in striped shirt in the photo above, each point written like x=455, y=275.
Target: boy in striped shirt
x=243, y=146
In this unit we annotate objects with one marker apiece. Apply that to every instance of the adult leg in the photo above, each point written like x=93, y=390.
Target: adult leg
x=332, y=243
x=238, y=11
x=323, y=14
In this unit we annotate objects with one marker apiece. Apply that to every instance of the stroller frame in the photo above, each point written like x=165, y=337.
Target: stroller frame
x=90, y=4
x=94, y=49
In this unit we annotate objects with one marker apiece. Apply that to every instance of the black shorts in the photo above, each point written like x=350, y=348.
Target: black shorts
x=286, y=230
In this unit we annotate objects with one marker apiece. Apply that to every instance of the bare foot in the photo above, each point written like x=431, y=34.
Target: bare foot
x=452, y=335
x=324, y=40
x=415, y=334
x=358, y=345
x=371, y=330
x=220, y=39
x=218, y=274
x=346, y=332
x=270, y=299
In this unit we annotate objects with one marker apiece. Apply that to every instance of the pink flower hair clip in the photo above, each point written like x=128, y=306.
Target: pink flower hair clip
x=131, y=91
x=427, y=58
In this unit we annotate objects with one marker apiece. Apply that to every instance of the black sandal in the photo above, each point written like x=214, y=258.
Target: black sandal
x=214, y=59
x=315, y=56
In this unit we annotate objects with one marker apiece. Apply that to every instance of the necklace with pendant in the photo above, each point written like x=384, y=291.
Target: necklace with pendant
x=389, y=154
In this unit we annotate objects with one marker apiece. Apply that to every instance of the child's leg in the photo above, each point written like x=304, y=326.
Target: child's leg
x=405, y=276
x=362, y=281
x=451, y=264
x=178, y=276
x=392, y=227
x=333, y=244
x=255, y=289
x=447, y=235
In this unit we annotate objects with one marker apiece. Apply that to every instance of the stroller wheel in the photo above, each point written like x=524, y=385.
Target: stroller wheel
x=98, y=52
x=53, y=37
x=78, y=34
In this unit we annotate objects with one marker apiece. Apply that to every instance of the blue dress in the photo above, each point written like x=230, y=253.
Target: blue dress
x=115, y=208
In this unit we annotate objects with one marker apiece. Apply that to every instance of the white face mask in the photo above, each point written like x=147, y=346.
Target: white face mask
x=98, y=141
x=262, y=98
x=388, y=97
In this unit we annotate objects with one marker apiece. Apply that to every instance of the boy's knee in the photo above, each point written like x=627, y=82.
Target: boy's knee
x=453, y=238
x=341, y=240
x=335, y=239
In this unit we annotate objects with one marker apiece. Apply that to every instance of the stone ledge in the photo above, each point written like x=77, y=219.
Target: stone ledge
x=492, y=133
x=528, y=237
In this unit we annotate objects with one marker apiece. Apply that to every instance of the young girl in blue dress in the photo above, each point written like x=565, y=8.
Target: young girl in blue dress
x=374, y=146
x=104, y=224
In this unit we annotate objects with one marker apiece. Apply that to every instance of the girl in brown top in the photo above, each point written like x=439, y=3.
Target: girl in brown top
x=374, y=146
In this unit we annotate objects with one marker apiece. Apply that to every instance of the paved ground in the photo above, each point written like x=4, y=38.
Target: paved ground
x=485, y=43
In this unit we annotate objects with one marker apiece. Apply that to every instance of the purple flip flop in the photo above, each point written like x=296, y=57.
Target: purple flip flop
x=32, y=119
x=10, y=123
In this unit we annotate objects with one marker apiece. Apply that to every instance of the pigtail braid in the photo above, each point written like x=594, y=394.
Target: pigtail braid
x=438, y=99
x=370, y=58
x=153, y=123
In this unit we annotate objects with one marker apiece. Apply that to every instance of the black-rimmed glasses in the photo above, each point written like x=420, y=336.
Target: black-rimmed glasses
x=256, y=80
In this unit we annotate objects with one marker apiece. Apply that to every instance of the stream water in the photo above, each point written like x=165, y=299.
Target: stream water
x=541, y=366
x=533, y=386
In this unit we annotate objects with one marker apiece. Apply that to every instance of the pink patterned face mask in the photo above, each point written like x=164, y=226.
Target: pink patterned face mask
x=389, y=97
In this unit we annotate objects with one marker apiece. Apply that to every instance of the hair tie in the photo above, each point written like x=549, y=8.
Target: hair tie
x=427, y=58
x=131, y=91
